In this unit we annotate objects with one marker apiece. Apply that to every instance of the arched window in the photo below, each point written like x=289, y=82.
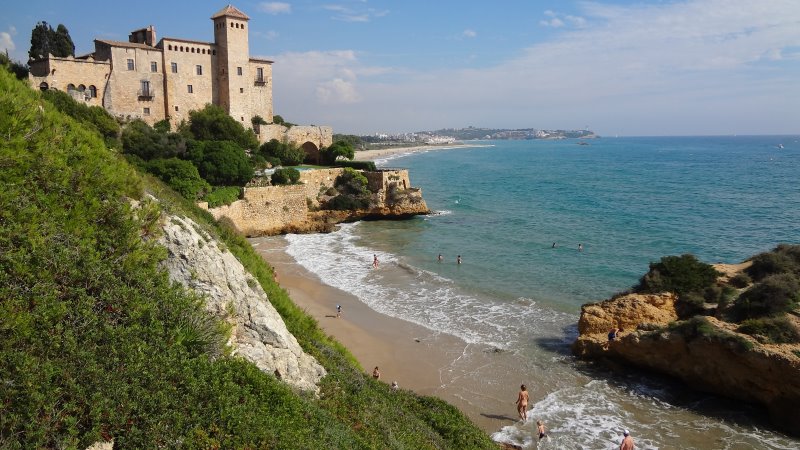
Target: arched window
x=43, y=86
x=192, y=49
x=81, y=88
x=92, y=91
x=181, y=48
x=70, y=87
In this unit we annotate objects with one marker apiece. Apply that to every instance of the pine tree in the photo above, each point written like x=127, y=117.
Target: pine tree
x=40, y=41
x=63, y=45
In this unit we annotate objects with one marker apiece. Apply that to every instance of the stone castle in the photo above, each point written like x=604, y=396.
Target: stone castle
x=157, y=80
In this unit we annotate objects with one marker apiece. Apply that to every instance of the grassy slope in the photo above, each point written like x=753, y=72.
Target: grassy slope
x=95, y=343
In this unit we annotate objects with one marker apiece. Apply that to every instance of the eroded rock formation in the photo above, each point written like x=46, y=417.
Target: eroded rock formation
x=716, y=359
x=259, y=333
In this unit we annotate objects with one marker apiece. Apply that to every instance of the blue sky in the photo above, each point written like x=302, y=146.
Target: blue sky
x=689, y=67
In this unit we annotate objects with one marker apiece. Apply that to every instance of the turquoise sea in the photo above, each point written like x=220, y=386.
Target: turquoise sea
x=627, y=202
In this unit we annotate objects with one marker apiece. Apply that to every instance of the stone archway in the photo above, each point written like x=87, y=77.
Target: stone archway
x=312, y=152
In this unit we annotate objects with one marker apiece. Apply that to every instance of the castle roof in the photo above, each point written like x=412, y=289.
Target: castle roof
x=230, y=11
x=126, y=44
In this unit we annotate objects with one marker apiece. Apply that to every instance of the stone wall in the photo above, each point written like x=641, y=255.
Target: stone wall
x=123, y=97
x=187, y=55
x=265, y=210
x=59, y=73
x=297, y=134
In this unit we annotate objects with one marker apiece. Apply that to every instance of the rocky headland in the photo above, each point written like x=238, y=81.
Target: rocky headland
x=706, y=345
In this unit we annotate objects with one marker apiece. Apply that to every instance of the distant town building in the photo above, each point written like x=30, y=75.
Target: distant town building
x=166, y=79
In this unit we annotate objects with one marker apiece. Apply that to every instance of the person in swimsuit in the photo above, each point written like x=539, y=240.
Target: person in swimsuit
x=627, y=441
x=441, y=258
x=540, y=429
x=375, y=261
x=522, y=402
x=458, y=260
x=376, y=373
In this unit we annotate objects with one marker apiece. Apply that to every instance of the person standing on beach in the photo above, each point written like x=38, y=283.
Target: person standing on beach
x=522, y=403
x=376, y=373
x=627, y=441
x=338, y=311
x=375, y=261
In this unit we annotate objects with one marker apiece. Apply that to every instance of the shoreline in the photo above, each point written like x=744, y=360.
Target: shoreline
x=419, y=359
x=375, y=154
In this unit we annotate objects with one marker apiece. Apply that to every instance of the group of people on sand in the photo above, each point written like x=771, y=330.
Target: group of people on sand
x=522, y=408
x=376, y=374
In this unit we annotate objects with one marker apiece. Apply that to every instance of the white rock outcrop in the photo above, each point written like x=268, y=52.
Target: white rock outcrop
x=259, y=334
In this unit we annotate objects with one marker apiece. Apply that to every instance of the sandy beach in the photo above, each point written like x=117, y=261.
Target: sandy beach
x=372, y=155
x=418, y=358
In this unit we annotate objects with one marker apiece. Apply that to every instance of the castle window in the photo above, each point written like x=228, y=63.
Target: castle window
x=144, y=91
x=239, y=71
x=199, y=69
x=176, y=108
x=243, y=26
x=153, y=66
x=189, y=87
x=260, y=76
x=213, y=52
x=174, y=67
x=130, y=64
x=192, y=49
x=242, y=119
x=241, y=90
x=81, y=88
x=92, y=91
x=181, y=48
x=231, y=24
x=146, y=111
x=43, y=86
x=169, y=46
x=203, y=51
x=70, y=87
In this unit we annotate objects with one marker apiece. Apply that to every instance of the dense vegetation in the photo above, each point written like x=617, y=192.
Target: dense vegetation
x=47, y=41
x=352, y=192
x=96, y=343
x=758, y=300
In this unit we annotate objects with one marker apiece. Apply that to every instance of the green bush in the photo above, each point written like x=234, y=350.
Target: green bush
x=368, y=166
x=774, y=295
x=777, y=330
x=93, y=116
x=180, y=175
x=139, y=139
x=286, y=175
x=699, y=327
x=223, y=196
x=339, y=149
x=222, y=163
x=287, y=154
x=740, y=280
x=353, y=192
x=679, y=274
x=212, y=123
x=783, y=259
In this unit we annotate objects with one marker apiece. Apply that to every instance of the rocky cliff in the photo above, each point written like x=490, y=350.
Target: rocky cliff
x=706, y=353
x=258, y=332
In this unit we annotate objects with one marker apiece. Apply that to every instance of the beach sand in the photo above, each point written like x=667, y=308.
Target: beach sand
x=420, y=359
x=372, y=155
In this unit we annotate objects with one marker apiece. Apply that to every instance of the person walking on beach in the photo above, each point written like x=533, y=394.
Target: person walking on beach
x=627, y=441
x=376, y=373
x=540, y=429
x=338, y=311
x=375, y=261
x=522, y=403
x=458, y=260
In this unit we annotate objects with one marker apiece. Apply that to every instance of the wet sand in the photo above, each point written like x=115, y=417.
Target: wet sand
x=425, y=361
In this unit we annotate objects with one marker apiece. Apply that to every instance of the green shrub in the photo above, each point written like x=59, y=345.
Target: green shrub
x=774, y=295
x=212, y=123
x=368, y=166
x=783, y=259
x=777, y=330
x=93, y=116
x=740, y=280
x=287, y=154
x=353, y=192
x=180, y=175
x=339, y=149
x=222, y=163
x=139, y=139
x=699, y=327
x=679, y=274
x=287, y=175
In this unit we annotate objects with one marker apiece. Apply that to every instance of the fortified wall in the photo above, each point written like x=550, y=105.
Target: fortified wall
x=272, y=210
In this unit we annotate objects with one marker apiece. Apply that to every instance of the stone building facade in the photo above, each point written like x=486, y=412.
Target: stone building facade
x=153, y=80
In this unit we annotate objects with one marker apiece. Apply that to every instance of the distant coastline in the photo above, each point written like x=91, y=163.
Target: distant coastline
x=375, y=154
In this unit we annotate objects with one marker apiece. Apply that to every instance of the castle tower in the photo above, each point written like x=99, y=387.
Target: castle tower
x=230, y=36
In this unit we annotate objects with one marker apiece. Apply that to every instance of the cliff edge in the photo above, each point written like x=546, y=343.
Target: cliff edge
x=706, y=350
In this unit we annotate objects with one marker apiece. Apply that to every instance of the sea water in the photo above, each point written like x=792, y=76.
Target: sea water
x=516, y=212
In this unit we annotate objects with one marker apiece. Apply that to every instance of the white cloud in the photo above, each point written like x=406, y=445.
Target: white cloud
x=558, y=20
x=687, y=67
x=268, y=35
x=347, y=14
x=275, y=7
x=7, y=41
x=555, y=22
x=469, y=33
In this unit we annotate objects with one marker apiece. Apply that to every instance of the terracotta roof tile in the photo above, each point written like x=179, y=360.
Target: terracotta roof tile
x=231, y=11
